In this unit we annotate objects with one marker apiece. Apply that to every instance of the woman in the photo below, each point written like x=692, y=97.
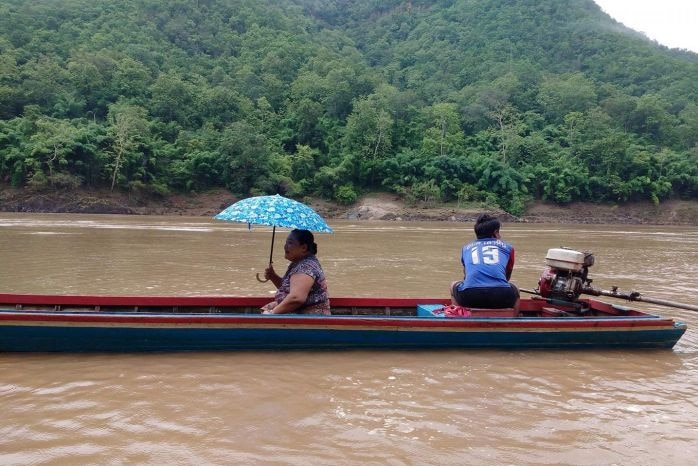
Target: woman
x=303, y=288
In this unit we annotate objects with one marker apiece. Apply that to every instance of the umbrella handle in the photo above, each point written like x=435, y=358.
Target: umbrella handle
x=266, y=279
x=271, y=254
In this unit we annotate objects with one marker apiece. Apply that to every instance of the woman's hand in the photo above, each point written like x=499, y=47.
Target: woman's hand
x=270, y=274
x=269, y=308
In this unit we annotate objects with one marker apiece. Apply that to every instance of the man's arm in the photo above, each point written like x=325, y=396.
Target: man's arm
x=510, y=264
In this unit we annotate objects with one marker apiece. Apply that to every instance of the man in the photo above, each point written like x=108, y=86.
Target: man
x=487, y=265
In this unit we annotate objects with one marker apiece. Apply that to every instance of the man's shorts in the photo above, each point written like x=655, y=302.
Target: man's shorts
x=486, y=297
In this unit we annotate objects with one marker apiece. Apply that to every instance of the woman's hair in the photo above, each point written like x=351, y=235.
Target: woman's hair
x=486, y=225
x=305, y=237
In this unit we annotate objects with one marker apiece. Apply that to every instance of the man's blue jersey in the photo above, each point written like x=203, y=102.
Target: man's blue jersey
x=487, y=263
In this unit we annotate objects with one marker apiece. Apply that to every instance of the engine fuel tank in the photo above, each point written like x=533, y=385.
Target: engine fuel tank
x=565, y=259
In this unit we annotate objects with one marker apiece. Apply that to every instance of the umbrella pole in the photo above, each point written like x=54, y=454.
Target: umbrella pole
x=271, y=253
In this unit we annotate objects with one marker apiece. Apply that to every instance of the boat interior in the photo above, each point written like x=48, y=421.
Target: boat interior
x=398, y=307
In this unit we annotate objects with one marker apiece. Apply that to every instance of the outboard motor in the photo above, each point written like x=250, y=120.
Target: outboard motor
x=565, y=276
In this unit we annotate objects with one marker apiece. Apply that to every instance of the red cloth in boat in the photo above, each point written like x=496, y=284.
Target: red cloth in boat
x=456, y=311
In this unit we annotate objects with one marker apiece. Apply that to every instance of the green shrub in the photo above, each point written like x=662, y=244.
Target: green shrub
x=62, y=180
x=38, y=181
x=346, y=195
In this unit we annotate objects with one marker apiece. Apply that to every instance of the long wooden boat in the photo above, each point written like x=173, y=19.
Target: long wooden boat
x=41, y=323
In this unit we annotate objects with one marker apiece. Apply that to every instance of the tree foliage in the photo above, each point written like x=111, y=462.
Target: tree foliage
x=438, y=100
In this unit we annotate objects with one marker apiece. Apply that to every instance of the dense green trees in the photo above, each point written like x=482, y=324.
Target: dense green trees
x=441, y=100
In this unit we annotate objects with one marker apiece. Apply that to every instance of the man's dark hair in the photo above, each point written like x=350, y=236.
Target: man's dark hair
x=305, y=237
x=486, y=225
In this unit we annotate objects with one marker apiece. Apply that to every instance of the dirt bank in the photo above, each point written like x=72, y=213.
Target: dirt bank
x=387, y=207
x=380, y=206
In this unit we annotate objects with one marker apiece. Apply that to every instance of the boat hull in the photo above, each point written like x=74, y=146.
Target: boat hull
x=100, y=330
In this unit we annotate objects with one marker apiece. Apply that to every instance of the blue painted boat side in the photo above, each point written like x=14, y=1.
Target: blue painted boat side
x=42, y=338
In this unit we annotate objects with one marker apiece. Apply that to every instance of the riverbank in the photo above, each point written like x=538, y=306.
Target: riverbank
x=378, y=206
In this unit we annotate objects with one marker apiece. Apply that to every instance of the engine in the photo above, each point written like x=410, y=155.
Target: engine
x=565, y=274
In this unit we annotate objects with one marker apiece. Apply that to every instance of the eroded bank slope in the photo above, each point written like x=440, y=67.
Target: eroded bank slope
x=380, y=206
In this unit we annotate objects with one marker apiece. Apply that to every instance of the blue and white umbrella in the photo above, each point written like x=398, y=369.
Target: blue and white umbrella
x=274, y=211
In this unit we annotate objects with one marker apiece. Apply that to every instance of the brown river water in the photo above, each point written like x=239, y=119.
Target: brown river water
x=352, y=407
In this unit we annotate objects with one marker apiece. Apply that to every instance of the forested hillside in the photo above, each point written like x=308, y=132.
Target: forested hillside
x=472, y=100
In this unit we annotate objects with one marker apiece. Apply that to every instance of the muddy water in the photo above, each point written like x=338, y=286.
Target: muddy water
x=362, y=407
